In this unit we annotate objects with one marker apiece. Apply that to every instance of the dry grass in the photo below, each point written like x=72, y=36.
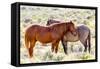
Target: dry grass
x=43, y=53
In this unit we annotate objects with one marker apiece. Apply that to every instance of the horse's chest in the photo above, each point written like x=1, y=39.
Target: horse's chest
x=70, y=37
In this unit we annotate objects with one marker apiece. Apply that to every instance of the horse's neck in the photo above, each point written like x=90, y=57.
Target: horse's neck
x=61, y=28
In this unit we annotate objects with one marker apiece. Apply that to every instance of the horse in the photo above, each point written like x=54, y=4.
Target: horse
x=52, y=34
x=83, y=35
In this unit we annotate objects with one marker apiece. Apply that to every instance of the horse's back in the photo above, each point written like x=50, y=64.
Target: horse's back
x=83, y=27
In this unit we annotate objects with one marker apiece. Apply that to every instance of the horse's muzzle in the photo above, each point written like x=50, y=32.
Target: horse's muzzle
x=74, y=33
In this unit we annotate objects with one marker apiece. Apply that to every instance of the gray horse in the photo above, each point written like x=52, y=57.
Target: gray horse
x=83, y=35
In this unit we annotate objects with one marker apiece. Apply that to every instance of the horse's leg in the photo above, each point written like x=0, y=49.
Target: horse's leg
x=56, y=47
x=52, y=48
x=85, y=45
x=32, y=44
x=64, y=44
x=89, y=42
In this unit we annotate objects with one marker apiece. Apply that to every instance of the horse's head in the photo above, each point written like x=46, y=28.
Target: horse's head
x=71, y=28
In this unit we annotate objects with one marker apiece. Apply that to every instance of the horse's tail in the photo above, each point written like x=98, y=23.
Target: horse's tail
x=26, y=41
x=89, y=41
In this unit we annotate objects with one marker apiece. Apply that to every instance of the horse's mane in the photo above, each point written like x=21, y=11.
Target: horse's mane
x=57, y=26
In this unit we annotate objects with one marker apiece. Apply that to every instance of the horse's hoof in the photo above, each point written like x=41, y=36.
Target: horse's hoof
x=66, y=53
x=32, y=60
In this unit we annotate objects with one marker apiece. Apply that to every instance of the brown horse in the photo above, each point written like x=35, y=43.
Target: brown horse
x=83, y=35
x=52, y=34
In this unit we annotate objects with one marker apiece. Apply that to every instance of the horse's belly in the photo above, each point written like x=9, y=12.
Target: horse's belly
x=44, y=38
x=70, y=37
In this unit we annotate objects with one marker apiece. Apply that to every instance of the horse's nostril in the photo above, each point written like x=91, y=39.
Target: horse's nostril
x=74, y=33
